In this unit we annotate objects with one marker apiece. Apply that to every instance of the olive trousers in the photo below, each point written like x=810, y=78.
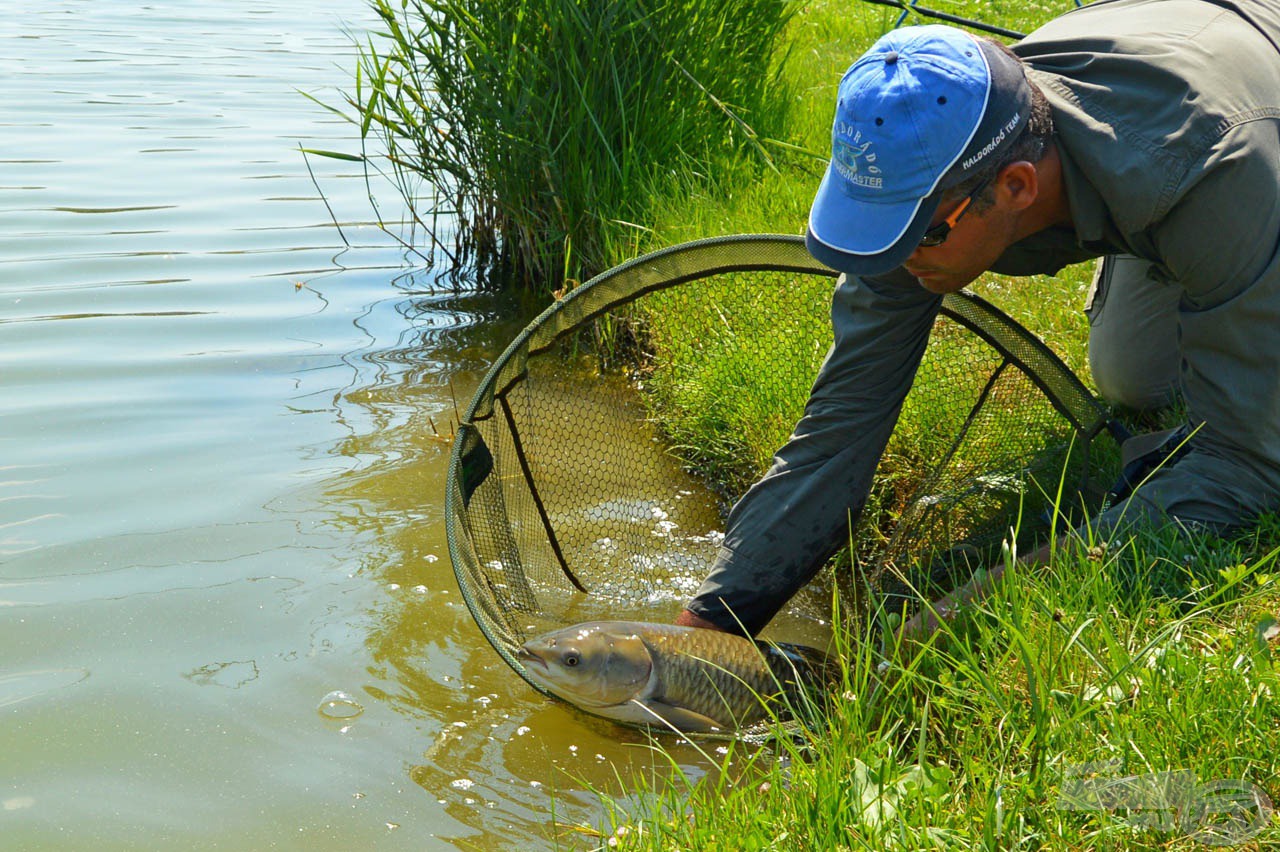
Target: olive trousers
x=1134, y=355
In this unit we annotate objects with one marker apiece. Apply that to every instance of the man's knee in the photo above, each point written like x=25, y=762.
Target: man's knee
x=1202, y=491
x=1133, y=334
x=1131, y=380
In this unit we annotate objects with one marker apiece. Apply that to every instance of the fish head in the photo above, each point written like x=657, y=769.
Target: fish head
x=591, y=665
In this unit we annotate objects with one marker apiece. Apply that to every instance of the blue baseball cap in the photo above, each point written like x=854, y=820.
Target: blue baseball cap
x=923, y=109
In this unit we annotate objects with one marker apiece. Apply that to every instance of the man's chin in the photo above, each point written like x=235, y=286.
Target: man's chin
x=941, y=282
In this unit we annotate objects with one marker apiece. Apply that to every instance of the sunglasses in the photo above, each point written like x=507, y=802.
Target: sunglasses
x=936, y=235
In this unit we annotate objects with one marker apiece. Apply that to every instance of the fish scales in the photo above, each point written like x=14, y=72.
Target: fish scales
x=723, y=676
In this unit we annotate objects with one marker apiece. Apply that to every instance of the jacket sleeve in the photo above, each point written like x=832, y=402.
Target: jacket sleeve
x=789, y=523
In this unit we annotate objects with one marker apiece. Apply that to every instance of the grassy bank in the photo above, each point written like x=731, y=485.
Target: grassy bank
x=1086, y=707
x=1152, y=659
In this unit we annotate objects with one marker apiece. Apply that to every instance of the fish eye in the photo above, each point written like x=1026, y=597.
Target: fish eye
x=571, y=660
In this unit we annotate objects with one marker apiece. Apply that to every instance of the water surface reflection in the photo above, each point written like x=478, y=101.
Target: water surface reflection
x=493, y=753
x=223, y=437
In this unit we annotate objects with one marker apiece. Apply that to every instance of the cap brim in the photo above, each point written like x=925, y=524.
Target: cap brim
x=861, y=238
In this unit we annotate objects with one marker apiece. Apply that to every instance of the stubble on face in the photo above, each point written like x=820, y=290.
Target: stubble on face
x=972, y=247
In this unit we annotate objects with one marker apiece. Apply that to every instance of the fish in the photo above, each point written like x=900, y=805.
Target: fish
x=668, y=676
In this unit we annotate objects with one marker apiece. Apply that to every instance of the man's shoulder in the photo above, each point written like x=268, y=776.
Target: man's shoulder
x=1120, y=21
x=1143, y=90
x=1161, y=61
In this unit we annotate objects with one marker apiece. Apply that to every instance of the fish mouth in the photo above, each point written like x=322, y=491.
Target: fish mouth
x=526, y=657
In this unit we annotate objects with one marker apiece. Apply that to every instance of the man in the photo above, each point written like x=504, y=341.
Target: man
x=1143, y=131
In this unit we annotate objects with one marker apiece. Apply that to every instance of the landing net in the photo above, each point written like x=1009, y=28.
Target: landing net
x=570, y=497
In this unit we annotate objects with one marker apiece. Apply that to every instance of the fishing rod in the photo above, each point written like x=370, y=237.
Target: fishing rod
x=947, y=16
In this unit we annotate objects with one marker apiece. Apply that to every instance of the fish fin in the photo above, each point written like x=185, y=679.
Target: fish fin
x=657, y=712
x=810, y=664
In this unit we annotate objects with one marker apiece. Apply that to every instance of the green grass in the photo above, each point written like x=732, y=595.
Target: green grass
x=711, y=342
x=1147, y=655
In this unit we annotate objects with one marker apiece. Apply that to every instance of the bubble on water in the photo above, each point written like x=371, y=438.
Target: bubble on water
x=463, y=784
x=430, y=557
x=686, y=586
x=340, y=705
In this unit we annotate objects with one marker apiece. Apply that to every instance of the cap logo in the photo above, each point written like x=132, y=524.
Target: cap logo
x=853, y=161
x=971, y=161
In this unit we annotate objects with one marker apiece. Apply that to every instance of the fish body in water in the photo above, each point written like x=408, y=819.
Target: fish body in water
x=661, y=674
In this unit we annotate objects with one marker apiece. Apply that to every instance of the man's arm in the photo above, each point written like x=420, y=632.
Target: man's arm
x=787, y=525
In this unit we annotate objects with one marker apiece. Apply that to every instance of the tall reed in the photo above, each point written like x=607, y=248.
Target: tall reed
x=528, y=136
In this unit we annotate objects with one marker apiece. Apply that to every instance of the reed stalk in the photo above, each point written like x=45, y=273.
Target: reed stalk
x=529, y=138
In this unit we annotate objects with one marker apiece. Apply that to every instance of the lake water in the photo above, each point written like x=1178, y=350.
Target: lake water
x=220, y=478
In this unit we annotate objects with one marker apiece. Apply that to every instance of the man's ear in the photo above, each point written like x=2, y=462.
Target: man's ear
x=1018, y=185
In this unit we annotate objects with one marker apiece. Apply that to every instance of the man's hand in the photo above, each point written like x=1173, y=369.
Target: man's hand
x=688, y=619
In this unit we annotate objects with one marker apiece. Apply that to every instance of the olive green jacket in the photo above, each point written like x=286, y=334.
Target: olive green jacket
x=1167, y=119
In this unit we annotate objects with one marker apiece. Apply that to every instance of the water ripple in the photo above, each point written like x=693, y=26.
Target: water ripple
x=23, y=686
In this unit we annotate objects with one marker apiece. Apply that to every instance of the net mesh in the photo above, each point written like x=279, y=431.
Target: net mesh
x=578, y=487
